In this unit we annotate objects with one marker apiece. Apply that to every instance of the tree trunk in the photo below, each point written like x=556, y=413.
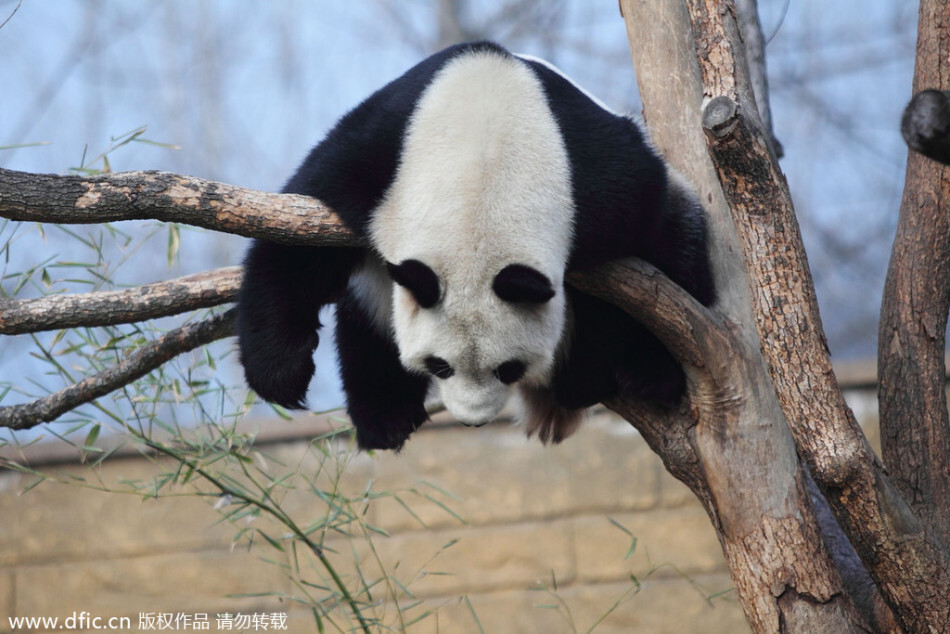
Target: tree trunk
x=741, y=460
x=757, y=244
x=915, y=431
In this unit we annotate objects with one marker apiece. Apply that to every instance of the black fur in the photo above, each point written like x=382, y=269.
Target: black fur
x=418, y=279
x=285, y=286
x=608, y=353
x=510, y=371
x=281, y=294
x=925, y=124
x=519, y=283
x=625, y=207
x=439, y=368
x=385, y=401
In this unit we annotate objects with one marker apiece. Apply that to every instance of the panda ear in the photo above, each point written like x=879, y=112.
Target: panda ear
x=418, y=279
x=521, y=283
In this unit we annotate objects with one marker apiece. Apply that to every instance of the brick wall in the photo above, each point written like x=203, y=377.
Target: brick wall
x=522, y=519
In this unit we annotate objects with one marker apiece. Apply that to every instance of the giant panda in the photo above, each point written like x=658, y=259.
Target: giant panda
x=478, y=179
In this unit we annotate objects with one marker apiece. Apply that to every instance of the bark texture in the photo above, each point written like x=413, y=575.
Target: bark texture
x=909, y=563
x=736, y=453
x=915, y=430
x=137, y=365
x=172, y=198
x=107, y=308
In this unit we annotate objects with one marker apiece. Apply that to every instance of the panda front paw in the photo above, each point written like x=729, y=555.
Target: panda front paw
x=378, y=428
x=281, y=374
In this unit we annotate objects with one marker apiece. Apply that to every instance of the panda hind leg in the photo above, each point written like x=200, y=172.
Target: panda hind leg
x=648, y=371
x=610, y=353
x=385, y=401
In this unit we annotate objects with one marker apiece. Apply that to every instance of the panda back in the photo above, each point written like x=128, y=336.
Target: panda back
x=484, y=177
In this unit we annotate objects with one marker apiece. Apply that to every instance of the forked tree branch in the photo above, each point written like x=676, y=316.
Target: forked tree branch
x=144, y=360
x=136, y=196
x=910, y=564
x=695, y=335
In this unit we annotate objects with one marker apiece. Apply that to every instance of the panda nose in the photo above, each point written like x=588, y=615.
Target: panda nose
x=474, y=408
x=476, y=415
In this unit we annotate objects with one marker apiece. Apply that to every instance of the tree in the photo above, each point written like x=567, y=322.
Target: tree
x=819, y=533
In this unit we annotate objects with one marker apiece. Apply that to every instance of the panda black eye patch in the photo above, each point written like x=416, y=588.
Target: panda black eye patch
x=520, y=283
x=438, y=367
x=510, y=371
x=418, y=279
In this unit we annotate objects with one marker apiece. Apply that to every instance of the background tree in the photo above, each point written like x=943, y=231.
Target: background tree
x=764, y=408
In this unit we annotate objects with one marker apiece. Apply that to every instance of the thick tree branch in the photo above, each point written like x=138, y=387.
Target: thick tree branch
x=910, y=565
x=706, y=443
x=673, y=315
x=137, y=365
x=739, y=449
x=105, y=308
x=171, y=198
x=915, y=426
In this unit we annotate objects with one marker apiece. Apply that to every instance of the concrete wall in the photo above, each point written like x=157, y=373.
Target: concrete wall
x=536, y=549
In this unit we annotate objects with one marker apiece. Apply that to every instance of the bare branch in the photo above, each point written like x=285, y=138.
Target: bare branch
x=910, y=565
x=171, y=198
x=915, y=423
x=105, y=308
x=137, y=365
x=748, y=14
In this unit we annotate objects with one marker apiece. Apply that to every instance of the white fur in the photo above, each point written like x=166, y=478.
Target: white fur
x=371, y=285
x=484, y=182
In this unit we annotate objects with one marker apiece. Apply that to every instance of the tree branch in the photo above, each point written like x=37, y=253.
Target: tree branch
x=169, y=197
x=688, y=329
x=915, y=426
x=707, y=441
x=911, y=567
x=106, y=308
x=678, y=320
x=754, y=40
x=738, y=449
x=137, y=365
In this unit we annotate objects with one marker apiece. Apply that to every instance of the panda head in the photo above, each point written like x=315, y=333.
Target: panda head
x=479, y=338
